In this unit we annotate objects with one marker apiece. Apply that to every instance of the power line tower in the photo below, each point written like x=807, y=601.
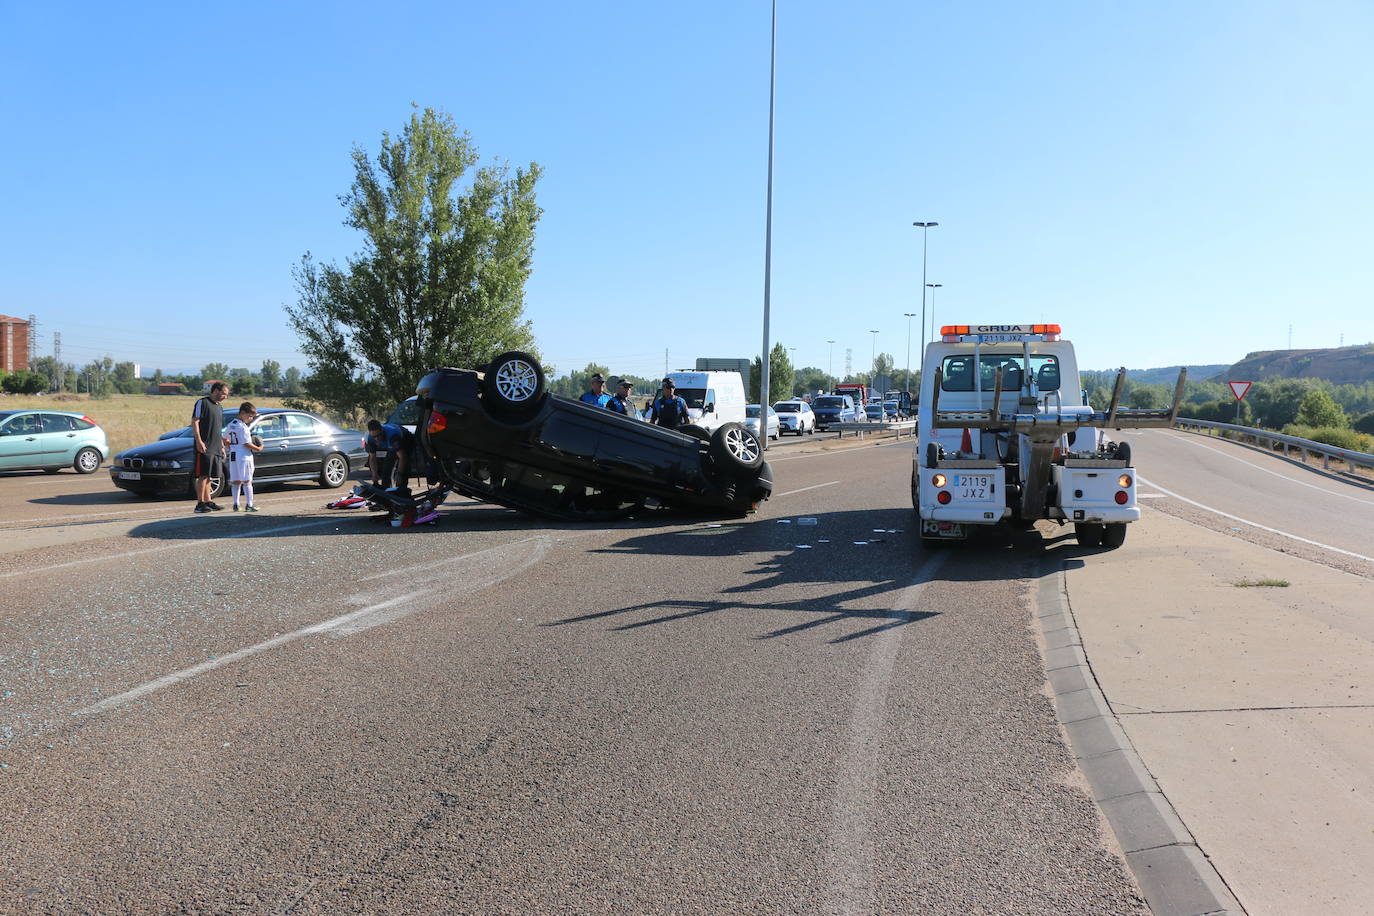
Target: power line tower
x=33, y=340
x=57, y=369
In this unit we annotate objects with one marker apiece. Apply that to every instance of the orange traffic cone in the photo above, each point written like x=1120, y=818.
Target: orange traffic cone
x=966, y=446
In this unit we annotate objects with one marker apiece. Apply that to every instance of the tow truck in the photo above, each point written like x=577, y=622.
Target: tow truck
x=1005, y=434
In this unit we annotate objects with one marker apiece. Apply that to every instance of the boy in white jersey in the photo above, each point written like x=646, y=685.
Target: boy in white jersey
x=242, y=443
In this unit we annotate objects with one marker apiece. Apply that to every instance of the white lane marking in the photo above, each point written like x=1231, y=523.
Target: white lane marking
x=852, y=848
x=435, y=564
x=170, y=510
x=189, y=542
x=1283, y=477
x=816, y=486
x=1149, y=496
x=471, y=580
x=186, y=674
x=1244, y=521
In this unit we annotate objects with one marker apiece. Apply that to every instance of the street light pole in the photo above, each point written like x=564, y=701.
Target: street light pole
x=908, y=316
x=830, y=366
x=925, y=232
x=933, y=287
x=873, y=361
x=768, y=231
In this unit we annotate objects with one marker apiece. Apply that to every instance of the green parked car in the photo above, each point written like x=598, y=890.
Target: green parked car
x=50, y=440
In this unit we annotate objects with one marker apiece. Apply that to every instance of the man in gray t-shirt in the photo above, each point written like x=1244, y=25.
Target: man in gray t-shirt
x=207, y=428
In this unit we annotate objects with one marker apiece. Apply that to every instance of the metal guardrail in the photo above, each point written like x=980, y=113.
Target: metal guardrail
x=1274, y=440
x=875, y=426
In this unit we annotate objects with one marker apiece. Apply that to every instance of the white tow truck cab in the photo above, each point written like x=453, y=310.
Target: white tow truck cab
x=1005, y=434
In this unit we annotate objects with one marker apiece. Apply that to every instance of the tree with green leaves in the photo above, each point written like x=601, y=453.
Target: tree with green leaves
x=270, y=376
x=218, y=371
x=810, y=379
x=1321, y=410
x=779, y=377
x=291, y=382
x=440, y=280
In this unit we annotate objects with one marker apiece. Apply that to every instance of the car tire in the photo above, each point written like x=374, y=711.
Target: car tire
x=1123, y=452
x=514, y=383
x=333, y=471
x=696, y=432
x=735, y=449
x=87, y=460
x=1089, y=534
x=1114, y=536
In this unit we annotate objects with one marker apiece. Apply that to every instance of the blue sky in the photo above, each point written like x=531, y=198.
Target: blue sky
x=1173, y=182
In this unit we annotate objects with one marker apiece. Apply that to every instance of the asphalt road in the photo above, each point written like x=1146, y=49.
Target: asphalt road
x=1257, y=495
x=306, y=712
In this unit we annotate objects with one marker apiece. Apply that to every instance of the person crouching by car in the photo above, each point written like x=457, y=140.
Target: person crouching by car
x=396, y=442
x=243, y=443
x=668, y=409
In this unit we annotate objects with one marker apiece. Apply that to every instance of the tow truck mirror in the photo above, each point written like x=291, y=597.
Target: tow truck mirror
x=709, y=408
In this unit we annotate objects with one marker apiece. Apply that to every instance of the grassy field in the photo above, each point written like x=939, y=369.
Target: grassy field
x=129, y=419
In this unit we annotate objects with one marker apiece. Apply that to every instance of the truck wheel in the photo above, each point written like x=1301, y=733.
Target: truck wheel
x=515, y=383
x=735, y=449
x=1089, y=533
x=1114, y=536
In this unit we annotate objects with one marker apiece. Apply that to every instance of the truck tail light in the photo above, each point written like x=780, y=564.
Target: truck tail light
x=1123, y=481
x=939, y=480
x=1121, y=497
x=437, y=422
x=943, y=497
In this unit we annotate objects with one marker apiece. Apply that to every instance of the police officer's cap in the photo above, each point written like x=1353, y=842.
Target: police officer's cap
x=669, y=383
x=598, y=377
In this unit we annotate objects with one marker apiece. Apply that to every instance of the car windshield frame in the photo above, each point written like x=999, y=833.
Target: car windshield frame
x=787, y=407
x=825, y=402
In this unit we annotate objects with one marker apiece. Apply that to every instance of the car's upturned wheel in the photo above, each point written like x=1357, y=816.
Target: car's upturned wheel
x=1089, y=534
x=1114, y=535
x=696, y=432
x=87, y=461
x=334, y=471
x=735, y=448
x=515, y=383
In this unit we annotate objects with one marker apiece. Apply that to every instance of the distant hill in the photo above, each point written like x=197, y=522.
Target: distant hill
x=1168, y=375
x=1338, y=365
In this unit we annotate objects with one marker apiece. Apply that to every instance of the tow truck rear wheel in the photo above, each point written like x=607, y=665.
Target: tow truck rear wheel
x=1090, y=533
x=1115, y=535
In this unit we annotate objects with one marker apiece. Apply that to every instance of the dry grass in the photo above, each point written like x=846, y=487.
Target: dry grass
x=128, y=419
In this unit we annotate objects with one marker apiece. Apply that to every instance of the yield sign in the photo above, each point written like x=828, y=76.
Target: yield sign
x=1239, y=389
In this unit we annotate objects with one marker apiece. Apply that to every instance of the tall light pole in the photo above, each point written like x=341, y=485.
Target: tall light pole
x=830, y=366
x=925, y=232
x=873, y=361
x=908, y=316
x=768, y=231
x=933, y=287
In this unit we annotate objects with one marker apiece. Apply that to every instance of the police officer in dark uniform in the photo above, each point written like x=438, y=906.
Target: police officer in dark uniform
x=621, y=402
x=669, y=410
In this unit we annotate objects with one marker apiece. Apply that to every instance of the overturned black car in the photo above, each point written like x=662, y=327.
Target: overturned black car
x=501, y=437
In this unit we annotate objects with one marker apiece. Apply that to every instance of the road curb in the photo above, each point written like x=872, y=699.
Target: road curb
x=1174, y=874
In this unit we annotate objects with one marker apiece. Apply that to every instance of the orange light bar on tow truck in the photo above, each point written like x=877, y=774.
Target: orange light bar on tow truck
x=953, y=333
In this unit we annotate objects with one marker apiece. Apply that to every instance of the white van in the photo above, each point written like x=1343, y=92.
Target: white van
x=713, y=398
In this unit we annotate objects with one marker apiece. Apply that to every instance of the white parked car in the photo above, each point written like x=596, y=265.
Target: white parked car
x=795, y=417
x=751, y=421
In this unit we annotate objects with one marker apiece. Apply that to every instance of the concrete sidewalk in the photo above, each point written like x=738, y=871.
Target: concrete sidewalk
x=1251, y=708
